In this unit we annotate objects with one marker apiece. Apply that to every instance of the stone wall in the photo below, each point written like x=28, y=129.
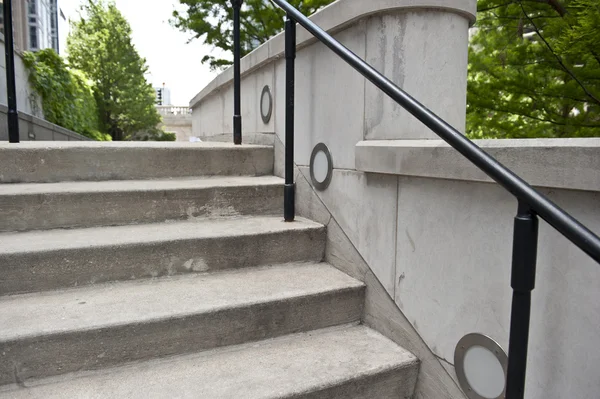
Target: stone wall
x=432, y=229
x=26, y=101
x=33, y=128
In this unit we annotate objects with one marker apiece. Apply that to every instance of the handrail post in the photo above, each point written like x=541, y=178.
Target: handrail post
x=290, y=83
x=237, y=53
x=11, y=91
x=525, y=238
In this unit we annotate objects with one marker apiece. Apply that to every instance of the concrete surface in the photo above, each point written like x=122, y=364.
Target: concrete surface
x=24, y=89
x=349, y=362
x=33, y=128
x=425, y=52
x=461, y=283
x=420, y=45
x=334, y=18
x=180, y=124
x=558, y=163
x=89, y=328
x=381, y=313
x=54, y=161
x=45, y=260
x=364, y=205
x=28, y=206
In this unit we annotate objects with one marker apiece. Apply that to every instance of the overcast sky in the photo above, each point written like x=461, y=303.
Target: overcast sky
x=171, y=59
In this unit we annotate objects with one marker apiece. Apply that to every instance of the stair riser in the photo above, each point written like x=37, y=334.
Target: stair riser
x=20, y=165
x=89, y=350
x=48, y=211
x=31, y=272
x=397, y=384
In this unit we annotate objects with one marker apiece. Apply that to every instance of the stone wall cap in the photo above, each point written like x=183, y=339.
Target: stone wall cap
x=335, y=17
x=572, y=164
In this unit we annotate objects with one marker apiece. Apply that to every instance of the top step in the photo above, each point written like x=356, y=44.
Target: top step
x=41, y=162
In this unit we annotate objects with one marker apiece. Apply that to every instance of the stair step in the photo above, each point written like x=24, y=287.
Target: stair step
x=52, y=259
x=46, y=334
x=85, y=204
x=31, y=162
x=352, y=362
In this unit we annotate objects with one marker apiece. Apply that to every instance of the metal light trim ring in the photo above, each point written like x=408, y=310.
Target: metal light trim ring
x=467, y=342
x=266, y=114
x=321, y=147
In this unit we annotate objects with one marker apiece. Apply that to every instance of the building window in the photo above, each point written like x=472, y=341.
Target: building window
x=33, y=38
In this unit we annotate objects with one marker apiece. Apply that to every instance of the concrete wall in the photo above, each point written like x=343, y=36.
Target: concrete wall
x=26, y=101
x=32, y=125
x=33, y=128
x=181, y=125
x=432, y=229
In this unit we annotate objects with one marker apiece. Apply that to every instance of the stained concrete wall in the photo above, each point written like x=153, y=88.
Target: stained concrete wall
x=181, y=125
x=435, y=233
x=26, y=101
x=32, y=128
x=32, y=125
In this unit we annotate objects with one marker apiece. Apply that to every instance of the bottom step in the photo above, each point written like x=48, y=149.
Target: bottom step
x=352, y=362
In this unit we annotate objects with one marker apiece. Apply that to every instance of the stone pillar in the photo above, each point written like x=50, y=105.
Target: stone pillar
x=424, y=50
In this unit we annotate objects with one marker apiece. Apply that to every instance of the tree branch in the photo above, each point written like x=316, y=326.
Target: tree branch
x=558, y=58
x=555, y=4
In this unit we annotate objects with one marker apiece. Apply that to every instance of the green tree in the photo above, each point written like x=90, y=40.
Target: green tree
x=100, y=45
x=211, y=21
x=534, y=69
x=67, y=98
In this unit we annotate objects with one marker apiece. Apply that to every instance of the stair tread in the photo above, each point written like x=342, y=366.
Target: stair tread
x=134, y=302
x=48, y=240
x=30, y=145
x=277, y=368
x=137, y=185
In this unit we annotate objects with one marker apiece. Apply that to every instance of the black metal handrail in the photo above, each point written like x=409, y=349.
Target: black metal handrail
x=531, y=203
x=11, y=91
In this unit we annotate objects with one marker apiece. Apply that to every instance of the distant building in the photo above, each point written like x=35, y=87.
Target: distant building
x=163, y=96
x=35, y=24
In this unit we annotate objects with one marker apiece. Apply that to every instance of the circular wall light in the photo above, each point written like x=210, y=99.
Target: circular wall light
x=321, y=167
x=266, y=105
x=480, y=365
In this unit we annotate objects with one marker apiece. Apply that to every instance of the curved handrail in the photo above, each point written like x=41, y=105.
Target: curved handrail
x=564, y=223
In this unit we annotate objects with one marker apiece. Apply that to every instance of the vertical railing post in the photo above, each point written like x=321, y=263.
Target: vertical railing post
x=289, y=206
x=11, y=90
x=237, y=55
x=525, y=238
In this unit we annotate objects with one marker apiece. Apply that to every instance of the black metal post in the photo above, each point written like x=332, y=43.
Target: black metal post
x=525, y=238
x=11, y=90
x=289, y=207
x=237, y=51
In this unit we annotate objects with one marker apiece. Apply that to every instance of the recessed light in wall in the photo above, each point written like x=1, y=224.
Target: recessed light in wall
x=480, y=365
x=321, y=167
x=266, y=105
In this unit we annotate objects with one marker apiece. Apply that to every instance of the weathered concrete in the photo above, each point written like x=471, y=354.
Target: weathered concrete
x=381, y=313
x=54, y=161
x=365, y=207
x=557, y=163
x=89, y=328
x=85, y=204
x=45, y=260
x=334, y=18
x=461, y=284
x=421, y=45
x=348, y=362
x=35, y=128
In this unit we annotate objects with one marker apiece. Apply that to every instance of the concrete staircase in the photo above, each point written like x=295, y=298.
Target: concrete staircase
x=165, y=271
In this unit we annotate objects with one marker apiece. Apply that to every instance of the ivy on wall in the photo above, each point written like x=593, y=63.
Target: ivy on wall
x=67, y=97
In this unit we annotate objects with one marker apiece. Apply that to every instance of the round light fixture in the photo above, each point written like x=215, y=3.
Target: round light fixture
x=480, y=365
x=321, y=167
x=266, y=105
